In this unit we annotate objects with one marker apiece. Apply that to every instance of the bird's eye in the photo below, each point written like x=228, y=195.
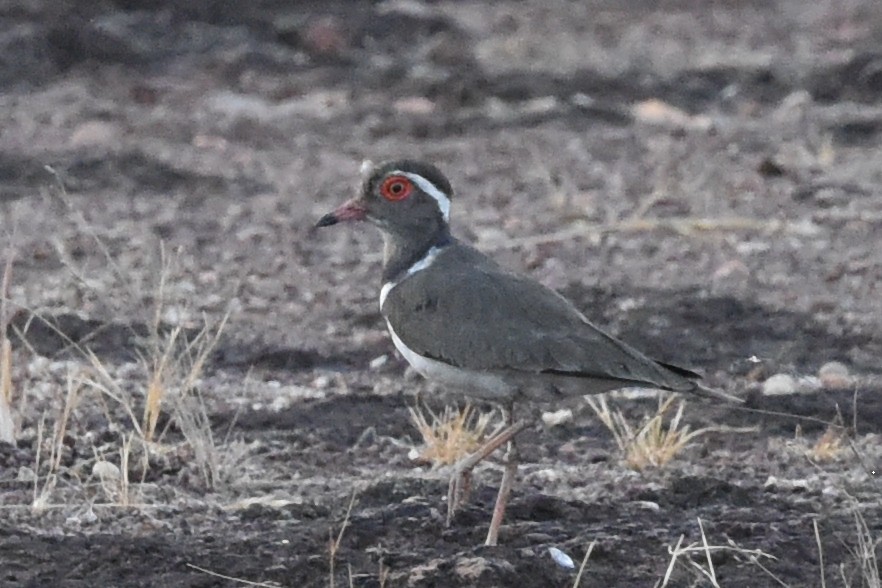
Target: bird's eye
x=396, y=188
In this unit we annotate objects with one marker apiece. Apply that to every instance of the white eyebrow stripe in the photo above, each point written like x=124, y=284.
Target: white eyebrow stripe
x=430, y=189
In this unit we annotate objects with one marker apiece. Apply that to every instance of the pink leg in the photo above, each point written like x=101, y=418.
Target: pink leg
x=508, y=477
x=461, y=477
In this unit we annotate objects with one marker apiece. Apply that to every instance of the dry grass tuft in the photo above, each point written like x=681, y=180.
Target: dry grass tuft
x=454, y=434
x=704, y=572
x=173, y=367
x=829, y=446
x=173, y=350
x=189, y=408
x=864, y=552
x=173, y=361
x=864, y=571
x=655, y=442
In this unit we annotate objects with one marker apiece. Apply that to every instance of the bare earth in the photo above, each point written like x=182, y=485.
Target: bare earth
x=702, y=178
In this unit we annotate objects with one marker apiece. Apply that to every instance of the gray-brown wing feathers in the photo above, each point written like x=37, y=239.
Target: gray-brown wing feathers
x=466, y=311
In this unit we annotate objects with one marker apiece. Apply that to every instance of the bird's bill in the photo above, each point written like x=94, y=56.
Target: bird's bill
x=352, y=210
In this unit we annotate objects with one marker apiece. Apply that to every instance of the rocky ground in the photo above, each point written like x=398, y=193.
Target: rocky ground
x=702, y=178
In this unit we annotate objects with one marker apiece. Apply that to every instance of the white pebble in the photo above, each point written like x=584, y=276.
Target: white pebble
x=779, y=385
x=558, y=417
x=782, y=484
x=25, y=474
x=378, y=362
x=279, y=403
x=105, y=470
x=835, y=376
x=38, y=365
x=561, y=558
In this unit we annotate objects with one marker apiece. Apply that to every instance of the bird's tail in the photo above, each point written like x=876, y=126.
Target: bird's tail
x=714, y=394
x=696, y=387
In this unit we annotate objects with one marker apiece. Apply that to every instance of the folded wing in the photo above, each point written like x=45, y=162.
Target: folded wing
x=466, y=311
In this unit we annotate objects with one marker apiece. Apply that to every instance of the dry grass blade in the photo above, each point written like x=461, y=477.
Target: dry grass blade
x=109, y=386
x=233, y=578
x=334, y=544
x=157, y=368
x=84, y=227
x=711, y=572
x=653, y=443
x=38, y=454
x=7, y=423
x=383, y=574
x=674, y=552
x=452, y=435
x=160, y=353
x=42, y=494
x=125, y=452
x=578, y=579
x=820, y=553
x=865, y=551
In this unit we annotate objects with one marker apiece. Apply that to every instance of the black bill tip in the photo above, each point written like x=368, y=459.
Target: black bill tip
x=327, y=220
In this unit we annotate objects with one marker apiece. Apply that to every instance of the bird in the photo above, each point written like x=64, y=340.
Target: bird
x=462, y=320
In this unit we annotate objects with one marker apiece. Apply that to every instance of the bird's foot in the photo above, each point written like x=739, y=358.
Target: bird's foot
x=458, y=490
x=460, y=480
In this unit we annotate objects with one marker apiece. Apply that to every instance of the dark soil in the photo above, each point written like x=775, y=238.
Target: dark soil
x=701, y=178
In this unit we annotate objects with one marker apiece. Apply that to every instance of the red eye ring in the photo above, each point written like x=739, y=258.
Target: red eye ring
x=395, y=188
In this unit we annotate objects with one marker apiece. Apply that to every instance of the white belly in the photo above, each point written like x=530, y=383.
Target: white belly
x=473, y=383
